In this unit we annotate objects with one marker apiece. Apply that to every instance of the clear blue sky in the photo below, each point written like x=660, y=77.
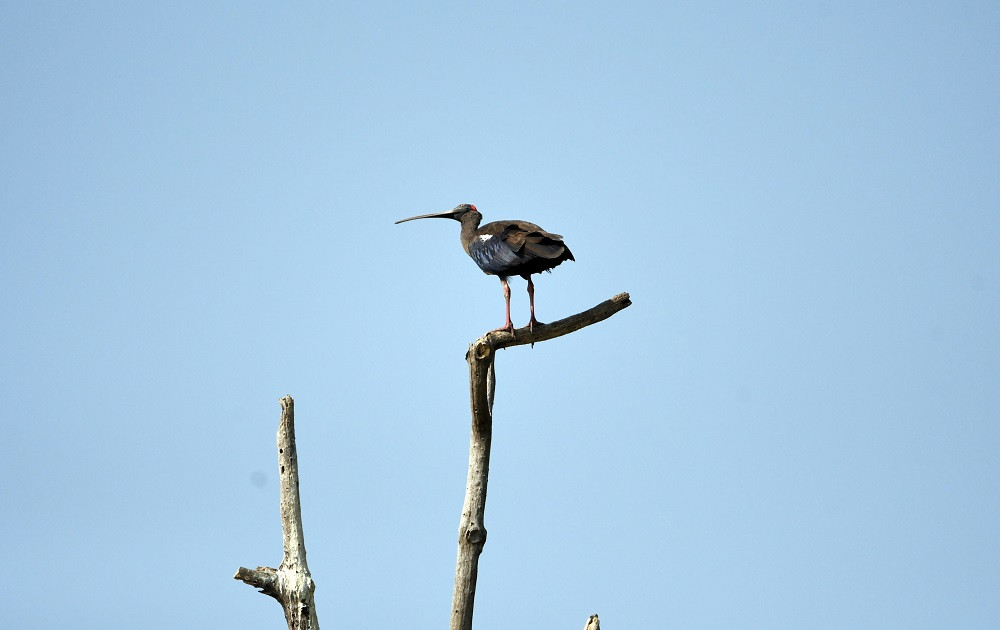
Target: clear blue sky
x=796, y=425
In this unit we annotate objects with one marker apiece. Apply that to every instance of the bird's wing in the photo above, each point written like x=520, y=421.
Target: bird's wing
x=493, y=254
x=532, y=242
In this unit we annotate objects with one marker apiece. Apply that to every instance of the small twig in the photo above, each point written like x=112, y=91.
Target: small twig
x=290, y=584
x=482, y=382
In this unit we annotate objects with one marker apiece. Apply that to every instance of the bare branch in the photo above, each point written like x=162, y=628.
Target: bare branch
x=290, y=584
x=544, y=332
x=482, y=375
x=263, y=578
x=593, y=623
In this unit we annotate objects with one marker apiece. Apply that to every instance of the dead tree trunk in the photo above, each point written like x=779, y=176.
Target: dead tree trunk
x=290, y=584
x=482, y=383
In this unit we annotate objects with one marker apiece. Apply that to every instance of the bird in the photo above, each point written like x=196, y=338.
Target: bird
x=505, y=249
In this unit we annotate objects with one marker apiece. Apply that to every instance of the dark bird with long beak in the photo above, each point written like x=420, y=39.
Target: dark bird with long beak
x=506, y=248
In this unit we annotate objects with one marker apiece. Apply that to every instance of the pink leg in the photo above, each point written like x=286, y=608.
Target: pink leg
x=531, y=300
x=509, y=326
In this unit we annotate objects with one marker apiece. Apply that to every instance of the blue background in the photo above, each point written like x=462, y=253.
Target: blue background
x=795, y=425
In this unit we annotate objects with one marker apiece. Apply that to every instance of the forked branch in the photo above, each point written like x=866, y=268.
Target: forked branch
x=482, y=382
x=290, y=584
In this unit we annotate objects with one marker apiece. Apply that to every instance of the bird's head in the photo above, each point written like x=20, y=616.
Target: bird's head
x=456, y=213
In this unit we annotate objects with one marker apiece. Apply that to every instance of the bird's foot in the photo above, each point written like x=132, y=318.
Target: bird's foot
x=508, y=327
x=534, y=322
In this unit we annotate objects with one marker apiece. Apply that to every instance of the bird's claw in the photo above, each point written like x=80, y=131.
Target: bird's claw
x=508, y=327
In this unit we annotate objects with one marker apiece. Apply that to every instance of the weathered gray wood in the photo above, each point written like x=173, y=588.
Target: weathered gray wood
x=542, y=332
x=482, y=383
x=472, y=532
x=593, y=623
x=290, y=584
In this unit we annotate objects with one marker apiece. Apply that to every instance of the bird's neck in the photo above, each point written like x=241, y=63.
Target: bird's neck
x=470, y=223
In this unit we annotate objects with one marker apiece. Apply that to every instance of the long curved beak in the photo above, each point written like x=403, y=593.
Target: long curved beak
x=450, y=214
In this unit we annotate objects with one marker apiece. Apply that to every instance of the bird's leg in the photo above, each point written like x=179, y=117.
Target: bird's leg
x=531, y=301
x=509, y=326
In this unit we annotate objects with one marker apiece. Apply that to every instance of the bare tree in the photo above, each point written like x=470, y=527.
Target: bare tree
x=482, y=384
x=290, y=584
